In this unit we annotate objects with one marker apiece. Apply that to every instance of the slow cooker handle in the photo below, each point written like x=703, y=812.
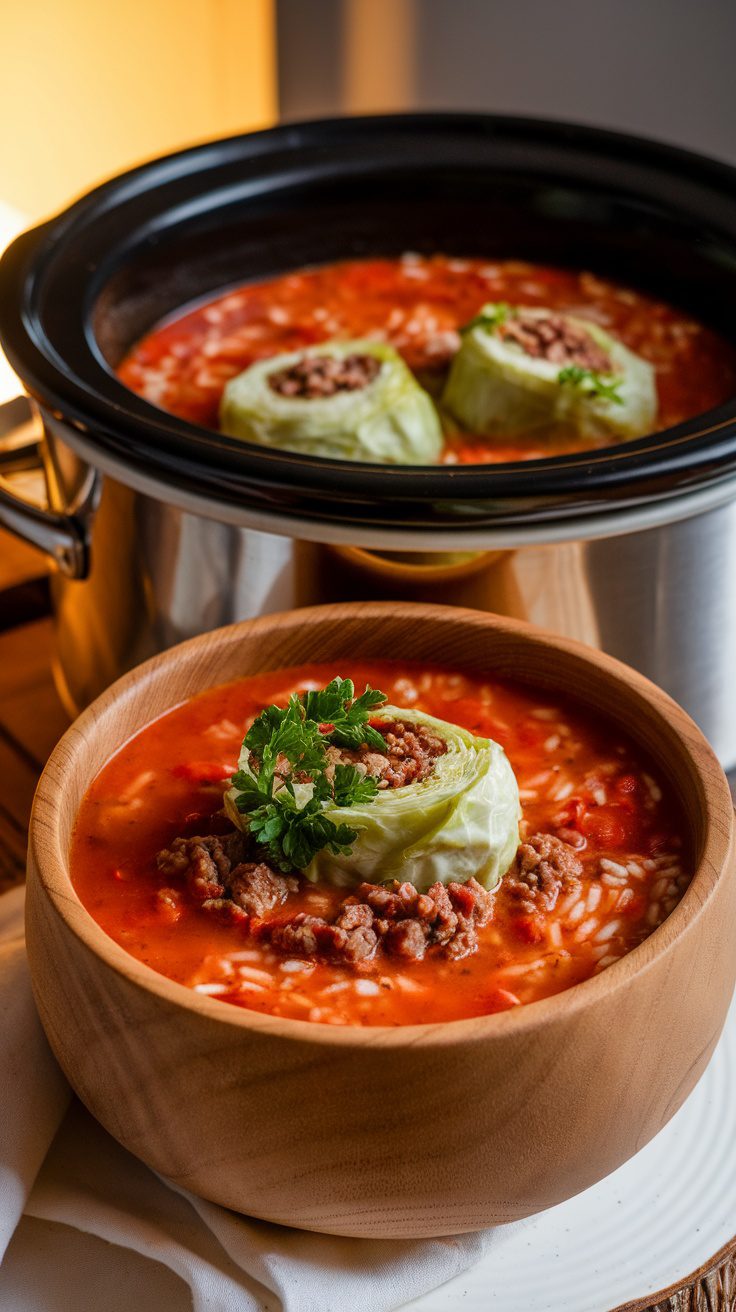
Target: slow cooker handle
x=63, y=536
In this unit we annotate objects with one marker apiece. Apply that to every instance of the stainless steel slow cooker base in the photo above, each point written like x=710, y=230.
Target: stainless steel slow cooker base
x=658, y=597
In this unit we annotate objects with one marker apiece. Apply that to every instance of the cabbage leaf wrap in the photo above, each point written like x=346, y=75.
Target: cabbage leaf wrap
x=496, y=388
x=391, y=420
x=461, y=822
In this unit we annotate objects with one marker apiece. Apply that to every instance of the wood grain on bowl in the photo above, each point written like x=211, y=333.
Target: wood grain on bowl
x=418, y=1130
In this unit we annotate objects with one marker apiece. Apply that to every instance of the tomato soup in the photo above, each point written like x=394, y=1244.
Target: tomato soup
x=417, y=304
x=601, y=860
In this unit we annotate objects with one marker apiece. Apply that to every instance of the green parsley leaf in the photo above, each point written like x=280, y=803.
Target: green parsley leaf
x=491, y=317
x=265, y=726
x=350, y=787
x=288, y=746
x=349, y=723
x=249, y=795
x=325, y=705
x=592, y=383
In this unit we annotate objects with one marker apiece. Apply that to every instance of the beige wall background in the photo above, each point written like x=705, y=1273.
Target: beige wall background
x=91, y=87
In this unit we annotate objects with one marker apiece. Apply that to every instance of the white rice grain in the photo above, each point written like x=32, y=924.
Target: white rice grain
x=594, y=896
x=136, y=786
x=586, y=929
x=655, y=792
x=562, y=792
x=608, y=931
x=613, y=868
x=605, y=962
x=255, y=976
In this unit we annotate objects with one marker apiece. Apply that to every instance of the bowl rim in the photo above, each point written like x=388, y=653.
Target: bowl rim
x=48, y=864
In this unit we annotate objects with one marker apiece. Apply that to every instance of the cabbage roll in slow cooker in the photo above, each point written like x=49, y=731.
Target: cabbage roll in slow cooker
x=524, y=368
x=345, y=400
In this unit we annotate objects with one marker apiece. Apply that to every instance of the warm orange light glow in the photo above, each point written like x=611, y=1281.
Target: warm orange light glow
x=89, y=88
x=380, y=43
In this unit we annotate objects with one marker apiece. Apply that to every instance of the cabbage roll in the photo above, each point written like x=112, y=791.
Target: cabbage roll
x=459, y=821
x=344, y=400
x=524, y=368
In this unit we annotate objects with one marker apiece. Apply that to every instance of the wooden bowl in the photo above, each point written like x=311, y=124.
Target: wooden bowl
x=409, y=1131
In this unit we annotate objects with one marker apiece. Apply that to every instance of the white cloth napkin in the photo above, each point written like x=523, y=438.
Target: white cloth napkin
x=57, y=1165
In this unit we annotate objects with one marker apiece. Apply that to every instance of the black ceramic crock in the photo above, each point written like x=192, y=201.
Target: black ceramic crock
x=77, y=291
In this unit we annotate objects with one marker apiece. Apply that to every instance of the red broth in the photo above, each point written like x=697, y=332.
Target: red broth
x=417, y=303
x=574, y=773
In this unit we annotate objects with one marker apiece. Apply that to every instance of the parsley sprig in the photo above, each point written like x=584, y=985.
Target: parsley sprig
x=592, y=383
x=287, y=747
x=491, y=317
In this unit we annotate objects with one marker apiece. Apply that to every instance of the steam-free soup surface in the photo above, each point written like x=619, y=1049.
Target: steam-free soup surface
x=417, y=304
x=581, y=783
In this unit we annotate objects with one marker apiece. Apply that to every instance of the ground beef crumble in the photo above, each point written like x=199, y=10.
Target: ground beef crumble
x=545, y=866
x=324, y=375
x=392, y=918
x=395, y=919
x=553, y=337
x=256, y=888
x=218, y=875
x=411, y=752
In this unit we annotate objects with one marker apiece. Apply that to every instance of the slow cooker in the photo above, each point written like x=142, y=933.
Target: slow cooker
x=161, y=529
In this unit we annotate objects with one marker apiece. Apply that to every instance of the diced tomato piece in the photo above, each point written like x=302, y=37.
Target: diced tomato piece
x=612, y=825
x=203, y=772
x=528, y=929
x=464, y=899
x=659, y=842
x=572, y=814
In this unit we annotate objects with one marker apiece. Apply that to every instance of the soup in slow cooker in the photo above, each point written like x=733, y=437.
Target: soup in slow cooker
x=407, y=845
x=431, y=359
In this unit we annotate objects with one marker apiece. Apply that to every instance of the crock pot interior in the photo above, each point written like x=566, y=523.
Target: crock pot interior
x=642, y=241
